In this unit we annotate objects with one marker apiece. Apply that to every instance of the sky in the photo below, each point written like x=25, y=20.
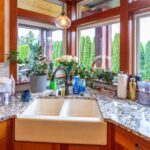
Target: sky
x=56, y=35
x=145, y=29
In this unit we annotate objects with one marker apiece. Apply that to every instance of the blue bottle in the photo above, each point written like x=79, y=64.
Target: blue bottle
x=76, y=85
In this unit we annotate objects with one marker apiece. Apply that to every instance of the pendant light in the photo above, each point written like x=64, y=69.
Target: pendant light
x=63, y=21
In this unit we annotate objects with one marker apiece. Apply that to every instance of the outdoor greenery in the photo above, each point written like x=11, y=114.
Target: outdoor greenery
x=145, y=61
x=87, y=51
x=26, y=46
x=57, y=51
x=116, y=53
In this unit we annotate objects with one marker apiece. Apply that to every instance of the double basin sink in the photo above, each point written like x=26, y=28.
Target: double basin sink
x=71, y=121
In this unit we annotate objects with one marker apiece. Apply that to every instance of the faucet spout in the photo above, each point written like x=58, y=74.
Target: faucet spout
x=66, y=79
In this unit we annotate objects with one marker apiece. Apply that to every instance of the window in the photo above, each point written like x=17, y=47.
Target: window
x=100, y=40
x=50, y=39
x=142, y=47
x=89, y=7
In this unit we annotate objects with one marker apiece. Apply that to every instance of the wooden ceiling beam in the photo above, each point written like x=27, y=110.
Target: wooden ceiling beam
x=30, y=15
x=138, y=5
x=97, y=17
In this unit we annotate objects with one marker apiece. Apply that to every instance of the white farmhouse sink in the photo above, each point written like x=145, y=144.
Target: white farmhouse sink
x=62, y=121
x=43, y=107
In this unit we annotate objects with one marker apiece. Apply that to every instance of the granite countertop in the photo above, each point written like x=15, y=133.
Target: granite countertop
x=127, y=114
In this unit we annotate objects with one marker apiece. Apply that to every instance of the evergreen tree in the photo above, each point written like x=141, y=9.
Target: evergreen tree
x=116, y=53
x=147, y=62
x=87, y=51
x=82, y=42
x=92, y=51
x=30, y=38
x=142, y=59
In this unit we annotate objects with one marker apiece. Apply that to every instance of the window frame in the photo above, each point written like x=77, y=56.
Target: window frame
x=136, y=31
x=23, y=23
x=83, y=2
x=92, y=25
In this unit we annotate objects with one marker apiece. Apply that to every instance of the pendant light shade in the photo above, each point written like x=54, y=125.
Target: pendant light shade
x=63, y=21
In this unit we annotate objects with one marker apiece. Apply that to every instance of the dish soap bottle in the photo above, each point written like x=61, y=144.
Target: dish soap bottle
x=76, y=85
x=132, y=89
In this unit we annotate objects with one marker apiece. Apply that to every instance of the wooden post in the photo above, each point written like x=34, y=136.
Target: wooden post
x=13, y=34
x=2, y=35
x=124, y=37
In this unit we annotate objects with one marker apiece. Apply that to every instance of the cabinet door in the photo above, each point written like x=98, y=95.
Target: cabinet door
x=36, y=146
x=86, y=147
x=125, y=140
x=2, y=23
x=6, y=135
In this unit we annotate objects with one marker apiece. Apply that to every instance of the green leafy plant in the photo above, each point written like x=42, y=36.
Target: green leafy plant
x=81, y=70
x=36, y=62
x=14, y=57
x=104, y=75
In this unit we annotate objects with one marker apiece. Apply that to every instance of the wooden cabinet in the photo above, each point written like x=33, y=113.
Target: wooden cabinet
x=6, y=135
x=125, y=140
x=45, y=146
x=118, y=139
x=36, y=146
x=2, y=32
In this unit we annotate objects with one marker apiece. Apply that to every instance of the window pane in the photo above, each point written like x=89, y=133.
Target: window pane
x=26, y=37
x=90, y=7
x=144, y=46
x=102, y=42
x=57, y=49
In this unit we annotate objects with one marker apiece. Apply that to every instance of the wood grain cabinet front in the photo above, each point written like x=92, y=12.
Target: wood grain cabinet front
x=6, y=135
x=125, y=140
x=2, y=27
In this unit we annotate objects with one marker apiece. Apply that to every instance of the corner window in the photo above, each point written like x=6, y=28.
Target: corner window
x=142, y=47
x=50, y=39
x=100, y=41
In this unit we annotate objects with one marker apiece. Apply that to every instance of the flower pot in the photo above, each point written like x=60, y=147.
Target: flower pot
x=38, y=83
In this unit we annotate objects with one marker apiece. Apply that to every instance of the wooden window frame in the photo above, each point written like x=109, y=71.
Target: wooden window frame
x=126, y=11
x=92, y=25
x=137, y=18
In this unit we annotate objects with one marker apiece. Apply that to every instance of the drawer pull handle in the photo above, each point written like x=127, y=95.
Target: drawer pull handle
x=137, y=147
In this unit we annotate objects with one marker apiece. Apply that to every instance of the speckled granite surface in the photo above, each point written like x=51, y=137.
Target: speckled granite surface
x=127, y=114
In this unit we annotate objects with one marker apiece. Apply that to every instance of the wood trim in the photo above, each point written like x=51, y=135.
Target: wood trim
x=97, y=17
x=13, y=35
x=2, y=29
x=33, y=16
x=71, y=34
x=124, y=37
x=138, y=5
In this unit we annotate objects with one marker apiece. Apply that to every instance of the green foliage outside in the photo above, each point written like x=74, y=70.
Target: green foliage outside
x=24, y=51
x=57, y=50
x=145, y=61
x=116, y=53
x=87, y=50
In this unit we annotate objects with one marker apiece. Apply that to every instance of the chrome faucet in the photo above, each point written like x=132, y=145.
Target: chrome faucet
x=66, y=79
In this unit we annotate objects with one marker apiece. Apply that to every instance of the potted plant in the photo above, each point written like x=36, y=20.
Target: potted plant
x=37, y=68
x=104, y=79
